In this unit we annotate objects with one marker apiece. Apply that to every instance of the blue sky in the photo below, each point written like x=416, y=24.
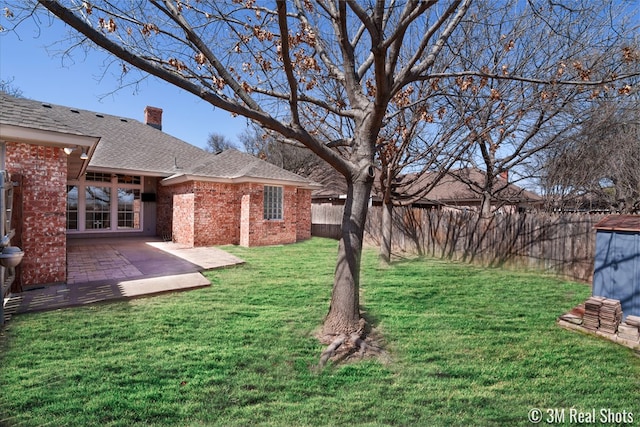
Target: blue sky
x=25, y=61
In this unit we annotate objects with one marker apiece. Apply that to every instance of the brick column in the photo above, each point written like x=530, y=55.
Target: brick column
x=183, y=219
x=245, y=220
x=39, y=215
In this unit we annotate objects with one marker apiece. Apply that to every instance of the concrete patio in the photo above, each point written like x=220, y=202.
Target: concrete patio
x=121, y=268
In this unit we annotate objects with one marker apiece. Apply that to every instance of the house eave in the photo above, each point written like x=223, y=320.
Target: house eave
x=185, y=177
x=48, y=138
x=125, y=171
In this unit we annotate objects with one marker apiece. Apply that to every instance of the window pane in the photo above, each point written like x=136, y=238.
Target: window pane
x=272, y=208
x=279, y=203
x=72, y=207
x=128, y=179
x=128, y=208
x=98, y=177
x=97, y=208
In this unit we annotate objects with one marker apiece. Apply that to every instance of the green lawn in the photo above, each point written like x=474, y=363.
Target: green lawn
x=467, y=346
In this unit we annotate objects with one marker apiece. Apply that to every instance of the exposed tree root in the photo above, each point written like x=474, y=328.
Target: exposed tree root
x=331, y=350
x=358, y=345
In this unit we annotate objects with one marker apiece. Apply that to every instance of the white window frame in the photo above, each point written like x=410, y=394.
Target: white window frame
x=113, y=185
x=134, y=210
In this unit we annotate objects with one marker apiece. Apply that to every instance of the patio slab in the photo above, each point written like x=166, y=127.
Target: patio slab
x=100, y=270
x=90, y=260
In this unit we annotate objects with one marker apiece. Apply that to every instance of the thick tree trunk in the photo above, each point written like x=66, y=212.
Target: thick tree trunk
x=344, y=312
x=485, y=207
x=387, y=230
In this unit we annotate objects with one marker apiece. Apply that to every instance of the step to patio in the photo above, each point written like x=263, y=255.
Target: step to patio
x=62, y=296
x=158, y=285
x=10, y=305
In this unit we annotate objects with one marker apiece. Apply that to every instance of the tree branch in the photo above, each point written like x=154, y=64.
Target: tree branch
x=286, y=59
x=546, y=82
x=411, y=69
x=171, y=11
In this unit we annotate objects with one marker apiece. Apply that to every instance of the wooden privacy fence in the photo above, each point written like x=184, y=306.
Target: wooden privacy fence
x=326, y=220
x=562, y=244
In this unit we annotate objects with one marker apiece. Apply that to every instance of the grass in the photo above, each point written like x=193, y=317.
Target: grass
x=468, y=346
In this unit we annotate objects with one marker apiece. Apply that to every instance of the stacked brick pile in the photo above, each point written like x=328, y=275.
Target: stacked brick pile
x=630, y=329
x=610, y=316
x=591, y=318
x=603, y=316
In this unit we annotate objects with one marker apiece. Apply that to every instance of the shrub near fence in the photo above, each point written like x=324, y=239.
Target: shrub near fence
x=562, y=244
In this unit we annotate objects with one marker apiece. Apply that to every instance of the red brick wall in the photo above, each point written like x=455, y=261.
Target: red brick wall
x=263, y=232
x=39, y=214
x=231, y=214
x=303, y=224
x=164, y=210
x=245, y=220
x=215, y=213
x=217, y=217
x=183, y=219
x=252, y=214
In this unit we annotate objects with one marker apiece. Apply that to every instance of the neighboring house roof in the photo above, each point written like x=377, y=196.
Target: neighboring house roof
x=464, y=186
x=333, y=185
x=456, y=188
x=131, y=146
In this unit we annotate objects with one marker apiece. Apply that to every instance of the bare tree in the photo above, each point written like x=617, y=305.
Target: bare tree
x=509, y=120
x=252, y=139
x=321, y=74
x=597, y=167
x=497, y=125
x=9, y=88
x=416, y=150
x=266, y=146
x=217, y=142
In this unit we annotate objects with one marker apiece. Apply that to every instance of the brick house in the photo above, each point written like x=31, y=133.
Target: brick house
x=77, y=174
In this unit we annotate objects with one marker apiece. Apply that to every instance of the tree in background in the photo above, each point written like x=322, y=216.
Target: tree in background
x=321, y=74
x=508, y=121
x=217, y=143
x=9, y=88
x=268, y=147
x=416, y=150
x=499, y=125
x=598, y=167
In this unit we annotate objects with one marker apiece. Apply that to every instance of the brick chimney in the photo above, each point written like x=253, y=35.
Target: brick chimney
x=153, y=117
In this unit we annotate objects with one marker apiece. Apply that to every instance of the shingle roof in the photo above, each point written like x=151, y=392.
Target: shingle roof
x=34, y=115
x=232, y=164
x=452, y=189
x=463, y=185
x=125, y=143
x=128, y=144
x=619, y=223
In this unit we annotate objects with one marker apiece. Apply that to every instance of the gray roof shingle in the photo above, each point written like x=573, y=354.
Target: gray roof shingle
x=128, y=144
x=34, y=115
x=232, y=164
x=452, y=189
